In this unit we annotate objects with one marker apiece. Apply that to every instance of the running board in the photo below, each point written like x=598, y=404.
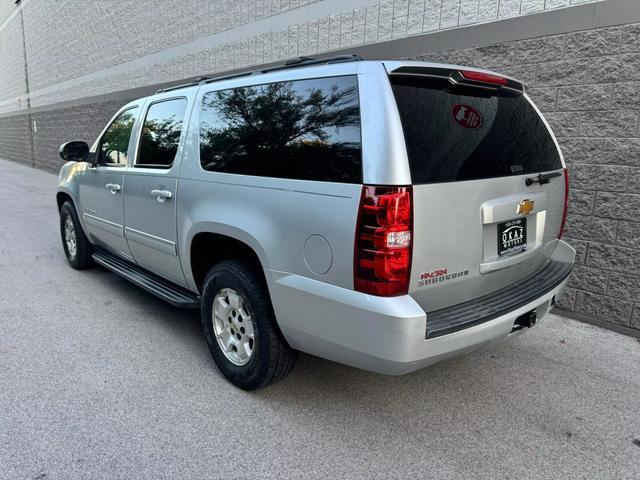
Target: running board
x=167, y=291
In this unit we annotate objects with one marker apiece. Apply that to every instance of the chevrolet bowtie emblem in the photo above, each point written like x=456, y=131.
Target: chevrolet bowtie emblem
x=525, y=207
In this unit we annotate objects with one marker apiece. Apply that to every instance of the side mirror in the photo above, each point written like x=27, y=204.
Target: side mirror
x=74, y=151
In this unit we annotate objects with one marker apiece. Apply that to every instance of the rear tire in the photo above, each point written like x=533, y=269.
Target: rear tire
x=77, y=247
x=240, y=327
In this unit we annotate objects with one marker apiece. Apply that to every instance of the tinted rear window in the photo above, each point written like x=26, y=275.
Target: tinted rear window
x=307, y=130
x=454, y=134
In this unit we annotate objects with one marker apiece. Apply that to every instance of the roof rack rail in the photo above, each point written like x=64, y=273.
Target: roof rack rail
x=227, y=77
x=182, y=85
x=293, y=63
x=304, y=61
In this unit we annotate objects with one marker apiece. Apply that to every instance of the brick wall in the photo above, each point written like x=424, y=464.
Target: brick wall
x=53, y=127
x=15, y=139
x=126, y=30
x=116, y=45
x=588, y=86
x=12, y=75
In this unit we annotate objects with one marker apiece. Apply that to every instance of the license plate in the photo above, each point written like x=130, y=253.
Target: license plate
x=512, y=236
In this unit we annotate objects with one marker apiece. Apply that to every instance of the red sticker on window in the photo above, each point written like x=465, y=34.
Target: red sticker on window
x=467, y=116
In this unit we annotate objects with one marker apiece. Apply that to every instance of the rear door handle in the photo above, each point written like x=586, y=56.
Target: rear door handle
x=161, y=195
x=113, y=188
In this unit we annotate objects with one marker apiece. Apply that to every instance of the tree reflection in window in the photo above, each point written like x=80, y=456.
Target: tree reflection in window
x=308, y=129
x=161, y=133
x=115, y=141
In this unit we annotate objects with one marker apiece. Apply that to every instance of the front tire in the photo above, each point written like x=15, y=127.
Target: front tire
x=240, y=327
x=77, y=247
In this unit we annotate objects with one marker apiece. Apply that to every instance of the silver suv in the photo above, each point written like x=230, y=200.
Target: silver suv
x=382, y=214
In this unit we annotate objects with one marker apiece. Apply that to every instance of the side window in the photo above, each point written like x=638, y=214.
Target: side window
x=307, y=130
x=161, y=133
x=114, y=144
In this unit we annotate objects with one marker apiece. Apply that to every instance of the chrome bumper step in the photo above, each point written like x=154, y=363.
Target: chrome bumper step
x=167, y=291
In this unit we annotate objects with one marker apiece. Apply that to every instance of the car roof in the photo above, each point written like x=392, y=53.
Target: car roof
x=326, y=64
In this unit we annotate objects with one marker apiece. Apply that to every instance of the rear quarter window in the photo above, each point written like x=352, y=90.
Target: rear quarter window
x=455, y=134
x=306, y=129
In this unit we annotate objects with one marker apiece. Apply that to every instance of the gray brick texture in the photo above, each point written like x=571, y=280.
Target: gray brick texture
x=12, y=75
x=54, y=127
x=50, y=129
x=110, y=33
x=15, y=139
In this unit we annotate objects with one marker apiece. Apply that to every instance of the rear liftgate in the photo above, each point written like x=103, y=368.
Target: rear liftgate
x=488, y=191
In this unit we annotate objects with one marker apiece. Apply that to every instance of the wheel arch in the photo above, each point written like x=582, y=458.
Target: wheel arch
x=211, y=244
x=62, y=197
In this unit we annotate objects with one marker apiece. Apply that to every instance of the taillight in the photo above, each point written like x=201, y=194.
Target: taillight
x=483, y=77
x=566, y=202
x=382, y=260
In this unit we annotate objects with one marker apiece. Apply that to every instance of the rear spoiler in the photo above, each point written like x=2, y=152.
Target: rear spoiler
x=462, y=77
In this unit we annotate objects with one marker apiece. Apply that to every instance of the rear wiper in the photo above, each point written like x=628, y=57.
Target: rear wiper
x=542, y=178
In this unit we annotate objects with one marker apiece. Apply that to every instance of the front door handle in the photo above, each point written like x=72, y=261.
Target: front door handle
x=113, y=188
x=161, y=195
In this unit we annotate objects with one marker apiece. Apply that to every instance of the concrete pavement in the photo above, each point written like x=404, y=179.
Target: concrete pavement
x=99, y=379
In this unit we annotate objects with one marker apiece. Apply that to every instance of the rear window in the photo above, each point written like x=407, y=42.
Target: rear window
x=454, y=134
x=305, y=130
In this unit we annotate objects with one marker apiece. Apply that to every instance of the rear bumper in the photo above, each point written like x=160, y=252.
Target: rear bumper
x=502, y=302
x=385, y=335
